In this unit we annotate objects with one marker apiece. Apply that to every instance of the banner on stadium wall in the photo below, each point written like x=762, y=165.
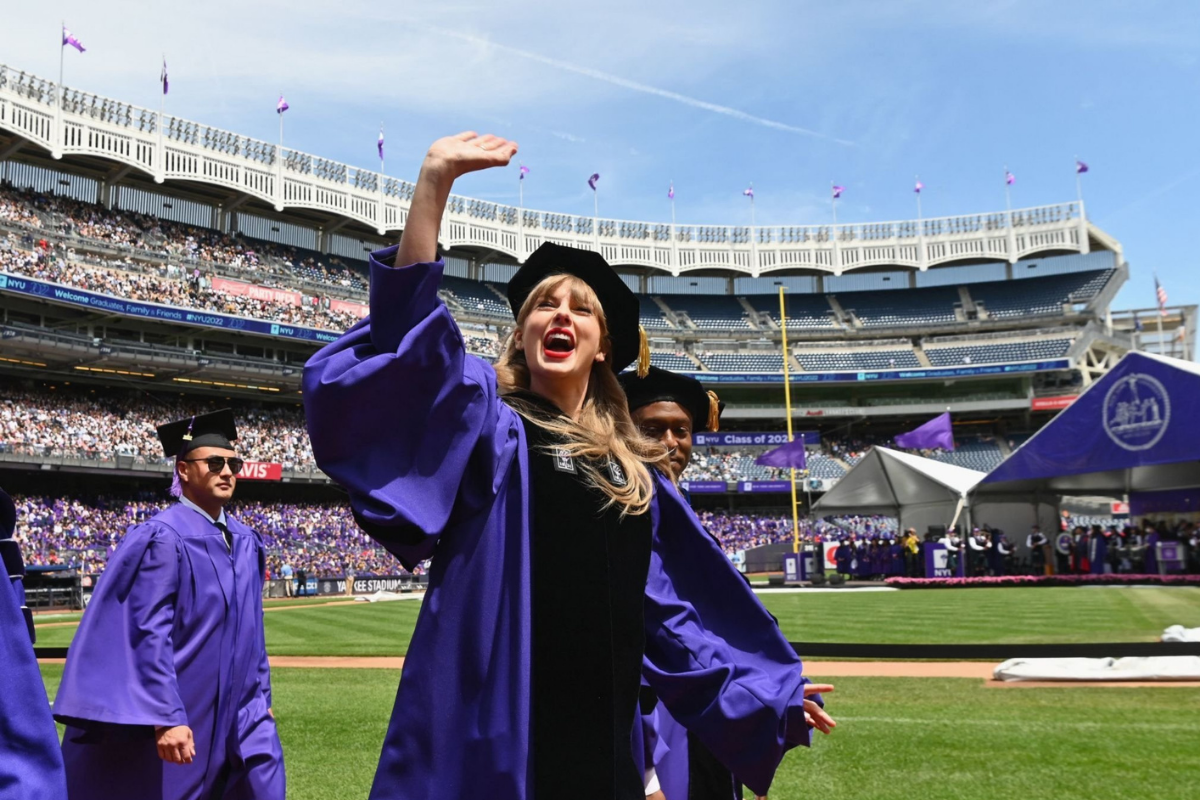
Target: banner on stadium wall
x=1119, y=509
x=256, y=292
x=755, y=487
x=261, y=471
x=742, y=438
x=154, y=311
x=1052, y=403
x=935, y=373
x=357, y=309
x=704, y=487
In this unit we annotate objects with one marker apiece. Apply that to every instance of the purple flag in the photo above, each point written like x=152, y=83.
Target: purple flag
x=1080, y=166
x=380, y=142
x=1009, y=178
x=790, y=455
x=524, y=172
x=837, y=191
x=281, y=106
x=671, y=192
x=163, y=77
x=919, y=187
x=935, y=433
x=68, y=39
x=592, y=180
x=749, y=192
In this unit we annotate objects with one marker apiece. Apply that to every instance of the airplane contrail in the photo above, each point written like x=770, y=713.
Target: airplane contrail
x=635, y=86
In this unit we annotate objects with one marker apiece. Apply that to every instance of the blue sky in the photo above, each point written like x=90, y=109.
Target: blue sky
x=710, y=95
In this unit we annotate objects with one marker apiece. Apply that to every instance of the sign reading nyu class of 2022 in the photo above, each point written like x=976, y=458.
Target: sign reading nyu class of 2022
x=155, y=311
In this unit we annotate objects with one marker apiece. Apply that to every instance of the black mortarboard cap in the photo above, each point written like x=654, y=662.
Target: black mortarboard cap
x=216, y=429
x=662, y=385
x=621, y=308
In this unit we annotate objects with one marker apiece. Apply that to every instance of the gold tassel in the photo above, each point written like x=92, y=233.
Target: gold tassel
x=714, y=412
x=643, y=359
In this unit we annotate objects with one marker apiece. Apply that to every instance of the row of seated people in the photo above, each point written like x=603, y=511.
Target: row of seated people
x=320, y=539
x=722, y=464
x=806, y=312
x=178, y=241
x=980, y=452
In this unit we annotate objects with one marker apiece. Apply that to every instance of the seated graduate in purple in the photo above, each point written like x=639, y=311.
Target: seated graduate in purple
x=669, y=408
x=167, y=692
x=30, y=762
x=559, y=557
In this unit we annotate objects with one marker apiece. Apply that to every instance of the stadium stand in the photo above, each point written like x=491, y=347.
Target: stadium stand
x=826, y=360
x=710, y=312
x=742, y=362
x=1000, y=353
x=1042, y=296
x=475, y=297
x=983, y=455
x=902, y=307
x=804, y=311
x=652, y=316
x=672, y=361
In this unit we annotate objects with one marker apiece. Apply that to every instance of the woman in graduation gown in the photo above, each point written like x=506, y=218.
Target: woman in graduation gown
x=559, y=557
x=31, y=766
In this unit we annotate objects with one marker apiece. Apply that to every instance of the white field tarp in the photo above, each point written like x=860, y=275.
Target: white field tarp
x=1152, y=668
x=918, y=491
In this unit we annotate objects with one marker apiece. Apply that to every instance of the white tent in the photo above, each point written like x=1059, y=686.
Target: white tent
x=918, y=491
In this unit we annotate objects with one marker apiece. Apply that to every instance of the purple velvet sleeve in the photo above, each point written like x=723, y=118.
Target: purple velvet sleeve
x=714, y=655
x=134, y=603
x=403, y=418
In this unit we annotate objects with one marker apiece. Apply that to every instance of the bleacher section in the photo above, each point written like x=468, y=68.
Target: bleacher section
x=652, y=316
x=475, y=297
x=804, y=311
x=1033, y=297
x=902, y=307
x=743, y=362
x=976, y=454
x=824, y=467
x=1004, y=353
x=672, y=361
x=858, y=359
x=710, y=312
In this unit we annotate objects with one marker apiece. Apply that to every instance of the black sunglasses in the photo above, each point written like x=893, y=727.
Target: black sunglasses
x=217, y=463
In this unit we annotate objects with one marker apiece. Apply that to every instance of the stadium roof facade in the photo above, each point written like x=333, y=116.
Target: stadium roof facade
x=113, y=142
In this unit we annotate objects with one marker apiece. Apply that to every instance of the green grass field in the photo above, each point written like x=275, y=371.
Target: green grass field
x=921, y=616
x=897, y=739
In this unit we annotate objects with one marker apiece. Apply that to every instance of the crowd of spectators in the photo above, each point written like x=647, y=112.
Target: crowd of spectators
x=185, y=244
x=76, y=421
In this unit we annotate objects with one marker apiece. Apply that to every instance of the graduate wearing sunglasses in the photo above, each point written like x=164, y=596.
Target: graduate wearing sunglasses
x=166, y=692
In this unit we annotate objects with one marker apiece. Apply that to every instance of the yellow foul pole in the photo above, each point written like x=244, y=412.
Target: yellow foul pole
x=787, y=396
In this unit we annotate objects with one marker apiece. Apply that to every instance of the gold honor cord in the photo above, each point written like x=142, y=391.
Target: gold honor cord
x=787, y=398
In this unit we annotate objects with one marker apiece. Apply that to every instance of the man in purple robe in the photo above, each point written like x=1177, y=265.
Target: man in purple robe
x=30, y=762
x=166, y=693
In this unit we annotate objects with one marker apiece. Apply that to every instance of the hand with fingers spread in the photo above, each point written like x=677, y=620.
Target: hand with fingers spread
x=448, y=159
x=814, y=715
x=175, y=745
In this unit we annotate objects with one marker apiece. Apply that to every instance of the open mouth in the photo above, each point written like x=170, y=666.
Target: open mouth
x=558, y=343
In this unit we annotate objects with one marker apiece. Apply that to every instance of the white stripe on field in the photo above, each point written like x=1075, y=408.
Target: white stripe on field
x=1024, y=723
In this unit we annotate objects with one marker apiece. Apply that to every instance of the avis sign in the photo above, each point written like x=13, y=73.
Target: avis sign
x=261, y=471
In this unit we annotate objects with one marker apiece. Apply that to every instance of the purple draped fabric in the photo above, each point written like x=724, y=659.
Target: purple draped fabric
x=938, y=432
x=173, y=635
x=414, y=429
x=790, y=455
x=30, y=762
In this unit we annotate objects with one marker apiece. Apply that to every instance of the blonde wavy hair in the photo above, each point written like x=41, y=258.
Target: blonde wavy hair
x=604, y=429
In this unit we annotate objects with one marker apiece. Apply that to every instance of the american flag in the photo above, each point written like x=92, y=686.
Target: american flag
x=1161, y=294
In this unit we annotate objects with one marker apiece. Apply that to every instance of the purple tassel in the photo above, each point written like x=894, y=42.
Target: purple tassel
x=176, y=487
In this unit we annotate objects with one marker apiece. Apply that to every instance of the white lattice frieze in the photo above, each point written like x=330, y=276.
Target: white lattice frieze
x=171, y=148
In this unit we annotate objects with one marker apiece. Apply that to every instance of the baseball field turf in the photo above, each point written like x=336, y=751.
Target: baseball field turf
x=901, y=738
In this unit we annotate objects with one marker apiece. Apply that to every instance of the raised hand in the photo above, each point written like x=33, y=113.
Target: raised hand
x=455, y=156
x=447, y=159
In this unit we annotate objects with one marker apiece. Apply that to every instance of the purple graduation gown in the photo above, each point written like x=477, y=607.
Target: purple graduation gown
x=30, y=762
x=433, y=460
x=173, y=635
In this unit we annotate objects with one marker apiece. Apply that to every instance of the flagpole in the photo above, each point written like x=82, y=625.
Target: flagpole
x=381, y=154
x=787, y=397
x=596, y=216
x=919, y=217
x=58, y=107
x=1078, y=182
x=520, y=214
x=833, y=202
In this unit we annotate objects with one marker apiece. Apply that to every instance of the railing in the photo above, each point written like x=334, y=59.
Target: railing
x=41, y=457
x=170, y=148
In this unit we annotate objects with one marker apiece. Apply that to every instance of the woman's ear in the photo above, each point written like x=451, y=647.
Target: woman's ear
x=599, y=356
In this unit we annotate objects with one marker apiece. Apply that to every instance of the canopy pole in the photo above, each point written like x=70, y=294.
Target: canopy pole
x=787, y=398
